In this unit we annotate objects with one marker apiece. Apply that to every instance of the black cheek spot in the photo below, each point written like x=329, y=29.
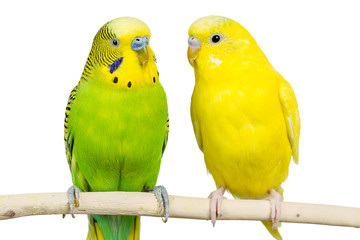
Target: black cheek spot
x=154, y=80
x=129, y=84
x=158, y=73
x=115, y=80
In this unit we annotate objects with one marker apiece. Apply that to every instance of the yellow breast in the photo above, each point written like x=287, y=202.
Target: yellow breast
x=241, y=129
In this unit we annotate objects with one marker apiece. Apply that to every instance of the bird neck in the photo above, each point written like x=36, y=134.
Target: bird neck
x=128, y=75
x=223, y=67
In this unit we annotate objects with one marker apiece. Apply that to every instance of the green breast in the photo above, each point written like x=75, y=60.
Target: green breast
x=119, y=135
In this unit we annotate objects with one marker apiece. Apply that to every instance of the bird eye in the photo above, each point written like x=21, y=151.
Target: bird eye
x=115, y=42
x=216, y=38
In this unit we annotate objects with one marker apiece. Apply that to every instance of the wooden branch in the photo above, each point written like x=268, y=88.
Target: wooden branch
x=145, y=204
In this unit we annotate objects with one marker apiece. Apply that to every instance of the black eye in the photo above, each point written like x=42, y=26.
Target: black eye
x=215, y=38
x=115, y=42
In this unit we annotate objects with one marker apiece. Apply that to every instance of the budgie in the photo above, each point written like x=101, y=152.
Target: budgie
x=116, y=124
x=244, y=113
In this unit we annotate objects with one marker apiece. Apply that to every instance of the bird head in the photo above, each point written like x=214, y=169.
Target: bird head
x=121, y=50
x=215, y=40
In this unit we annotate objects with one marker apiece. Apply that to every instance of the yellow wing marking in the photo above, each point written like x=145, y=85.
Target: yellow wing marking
x=196, y=126
x=167, y=126
x=69, y=140
x=292, y=117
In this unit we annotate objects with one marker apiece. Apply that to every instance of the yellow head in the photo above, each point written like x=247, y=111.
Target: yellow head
x=214, y=41
x=121, y=52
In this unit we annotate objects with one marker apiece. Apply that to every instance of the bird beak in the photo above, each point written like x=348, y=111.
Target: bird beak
x=140, y=46
x=193, y=49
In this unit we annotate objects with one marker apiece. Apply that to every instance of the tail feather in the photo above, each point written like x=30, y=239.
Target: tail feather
x=94, y=230
x=135, y=230
x=268, y=225
x=103, y=227
x=274, y=233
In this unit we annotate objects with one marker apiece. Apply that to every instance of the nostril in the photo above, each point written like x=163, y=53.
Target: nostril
x=138, y=39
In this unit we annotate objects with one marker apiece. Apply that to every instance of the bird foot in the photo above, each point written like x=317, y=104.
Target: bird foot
x=216, y=198
x=163, y=199
x=73, y=196
x=275, y=199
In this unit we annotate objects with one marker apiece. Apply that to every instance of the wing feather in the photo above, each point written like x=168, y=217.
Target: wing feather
x=167, y=125
x=292, y=117
x=68, y=136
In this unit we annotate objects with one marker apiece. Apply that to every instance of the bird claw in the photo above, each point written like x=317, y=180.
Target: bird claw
x=275, y=199
x=163, y=199
x=73, y=196
x=216, y=198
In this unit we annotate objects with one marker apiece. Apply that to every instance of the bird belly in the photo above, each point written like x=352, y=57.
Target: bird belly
x=118, y=146
x=249, y=162
x=247, y=151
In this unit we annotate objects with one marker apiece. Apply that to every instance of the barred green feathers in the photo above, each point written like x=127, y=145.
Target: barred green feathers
x=116, y=122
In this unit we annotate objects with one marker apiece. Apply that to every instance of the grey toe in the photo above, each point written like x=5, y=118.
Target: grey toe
x=73, y=196
x=163, y=199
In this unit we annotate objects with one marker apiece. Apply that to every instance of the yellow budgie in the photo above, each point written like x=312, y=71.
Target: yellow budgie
x=244, y=113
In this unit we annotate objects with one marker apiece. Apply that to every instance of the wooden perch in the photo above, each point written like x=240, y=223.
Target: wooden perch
x=145, y=204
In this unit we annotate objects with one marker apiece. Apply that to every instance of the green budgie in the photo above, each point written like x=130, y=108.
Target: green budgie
x=116, y=124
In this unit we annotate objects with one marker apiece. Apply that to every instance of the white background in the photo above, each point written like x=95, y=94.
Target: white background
x=315, y=45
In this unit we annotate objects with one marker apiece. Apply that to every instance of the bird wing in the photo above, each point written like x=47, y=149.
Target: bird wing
x=68, y=137
x=196, y=127
x=78, y=178
x=167, y=125
x=291, y=115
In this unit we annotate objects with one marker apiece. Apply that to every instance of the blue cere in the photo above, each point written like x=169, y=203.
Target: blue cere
x=115, y=65
x=139, y=42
